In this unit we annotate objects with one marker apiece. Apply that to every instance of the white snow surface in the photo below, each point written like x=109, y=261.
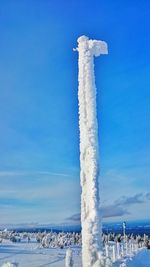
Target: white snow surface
x=89, y=155
x=142, y=259
x=26, y=254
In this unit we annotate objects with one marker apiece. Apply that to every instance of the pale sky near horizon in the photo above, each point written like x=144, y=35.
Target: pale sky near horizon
x=39, y=136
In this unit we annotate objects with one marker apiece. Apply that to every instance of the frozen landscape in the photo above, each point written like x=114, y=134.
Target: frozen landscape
x=74, y=162
x=92, y=248
x=49, y=249
x=31, y=255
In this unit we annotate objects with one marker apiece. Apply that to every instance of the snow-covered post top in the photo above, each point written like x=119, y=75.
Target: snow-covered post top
x=95, y=47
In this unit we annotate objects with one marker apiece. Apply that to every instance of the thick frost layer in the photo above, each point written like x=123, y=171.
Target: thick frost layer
x=89, y=158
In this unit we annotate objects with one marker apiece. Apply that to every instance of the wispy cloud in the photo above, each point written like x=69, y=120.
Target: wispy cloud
x=24, y=173
x=148, y=196
x=136, y=199
x=118, y=209
x=75, y=218
x=113, y=211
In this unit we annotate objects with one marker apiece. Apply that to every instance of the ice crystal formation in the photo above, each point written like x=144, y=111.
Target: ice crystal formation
x=89, y=156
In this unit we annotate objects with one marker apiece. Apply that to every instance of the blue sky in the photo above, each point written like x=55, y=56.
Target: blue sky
x=39, y=136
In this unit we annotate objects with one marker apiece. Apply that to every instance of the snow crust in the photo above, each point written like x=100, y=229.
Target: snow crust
x=89, y=155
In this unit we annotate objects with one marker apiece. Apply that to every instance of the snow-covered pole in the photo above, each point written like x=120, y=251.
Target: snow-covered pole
x=69, y=258
x=124, y=230
x=89, y=150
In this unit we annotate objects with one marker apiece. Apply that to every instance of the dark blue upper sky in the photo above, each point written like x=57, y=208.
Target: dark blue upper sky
x=39, y=136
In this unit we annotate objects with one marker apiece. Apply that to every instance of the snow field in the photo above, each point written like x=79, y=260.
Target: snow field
x=59, y=249
x=24, y=254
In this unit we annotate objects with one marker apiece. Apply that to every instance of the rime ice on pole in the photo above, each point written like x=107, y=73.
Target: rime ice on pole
x=89, y=155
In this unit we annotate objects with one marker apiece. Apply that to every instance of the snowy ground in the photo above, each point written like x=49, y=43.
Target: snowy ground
x=142, y=259
x=31, y=255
